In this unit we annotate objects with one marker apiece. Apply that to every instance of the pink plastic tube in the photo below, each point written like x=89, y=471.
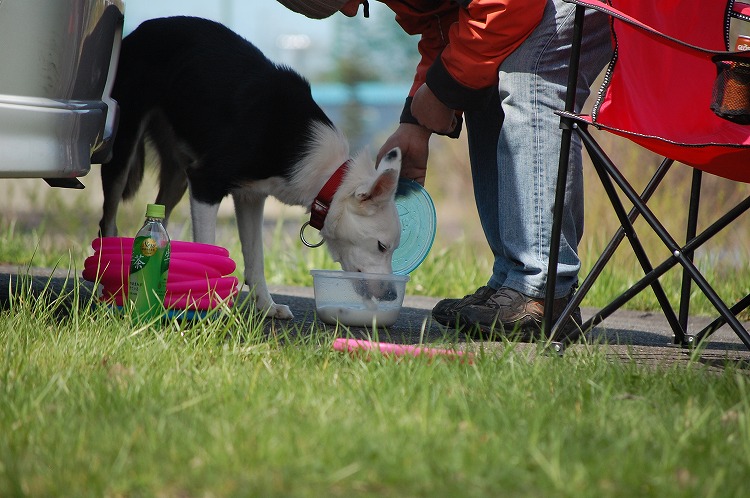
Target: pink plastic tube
x=118, y=279
x=223, y=286
x=103, y=272
x=223, y=264
x=94, y=267
x=178, y=275
x=125, y=245
x=199, y=274
x=389, y=349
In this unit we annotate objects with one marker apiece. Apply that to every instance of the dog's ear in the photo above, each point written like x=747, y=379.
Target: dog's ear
x=383, y=188
x=392, y=159
x=385, y=182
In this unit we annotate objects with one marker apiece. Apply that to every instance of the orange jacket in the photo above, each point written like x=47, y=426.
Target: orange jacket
x=463, y=43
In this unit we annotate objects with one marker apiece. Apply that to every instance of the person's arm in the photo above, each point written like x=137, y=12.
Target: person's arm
x=487, y=32
x=462, y=49
x=433, y=27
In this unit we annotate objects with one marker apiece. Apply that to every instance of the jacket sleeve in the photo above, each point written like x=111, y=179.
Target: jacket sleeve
x=487, y=31
x=462, y=47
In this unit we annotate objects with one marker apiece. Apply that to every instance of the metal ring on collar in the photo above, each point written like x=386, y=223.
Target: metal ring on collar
x=304, y=240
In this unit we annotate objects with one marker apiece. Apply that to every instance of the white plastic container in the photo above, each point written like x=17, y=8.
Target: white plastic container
x=358, y=299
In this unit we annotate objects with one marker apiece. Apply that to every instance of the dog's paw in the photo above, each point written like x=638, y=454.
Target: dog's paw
x=264, y=304
x=280, y=311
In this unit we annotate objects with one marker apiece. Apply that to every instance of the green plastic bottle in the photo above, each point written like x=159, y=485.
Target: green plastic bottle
x=149, y=265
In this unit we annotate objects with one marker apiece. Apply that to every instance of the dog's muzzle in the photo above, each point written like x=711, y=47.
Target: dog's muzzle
x=380, y=291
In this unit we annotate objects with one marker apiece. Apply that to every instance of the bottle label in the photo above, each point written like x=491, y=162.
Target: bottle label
x=147, y=285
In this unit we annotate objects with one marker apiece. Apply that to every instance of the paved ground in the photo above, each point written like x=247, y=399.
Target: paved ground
x=641, y=336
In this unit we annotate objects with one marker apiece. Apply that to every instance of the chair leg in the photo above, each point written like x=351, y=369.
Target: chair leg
x=727, y=315
x=567, y=126
x=692, y=225
x=607, y=172
x=714, y=298
x=712, y=327
x=610, y=249
x=678, y=253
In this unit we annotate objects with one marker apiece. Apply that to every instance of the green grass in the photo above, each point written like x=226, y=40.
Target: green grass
x=95, y=405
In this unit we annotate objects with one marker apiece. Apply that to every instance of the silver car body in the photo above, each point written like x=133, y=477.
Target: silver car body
x=57, y=64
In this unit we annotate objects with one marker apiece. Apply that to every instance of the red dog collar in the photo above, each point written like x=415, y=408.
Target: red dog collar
x=321, y=204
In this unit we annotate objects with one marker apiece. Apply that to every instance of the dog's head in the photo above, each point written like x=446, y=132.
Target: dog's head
x=362, y=228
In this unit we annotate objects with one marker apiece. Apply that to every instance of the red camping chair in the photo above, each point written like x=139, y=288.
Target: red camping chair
x=673, y=87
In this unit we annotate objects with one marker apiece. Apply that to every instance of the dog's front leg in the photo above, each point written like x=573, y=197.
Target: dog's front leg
x=249, y=211
x=203, y=216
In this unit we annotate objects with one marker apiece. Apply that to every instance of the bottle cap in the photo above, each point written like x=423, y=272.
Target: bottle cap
x=418, y=226
x=155, y=211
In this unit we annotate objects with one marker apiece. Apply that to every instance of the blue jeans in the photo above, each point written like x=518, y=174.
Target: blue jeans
x=514, y=149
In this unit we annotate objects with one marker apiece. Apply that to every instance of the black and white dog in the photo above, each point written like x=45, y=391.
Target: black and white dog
x=225, y=120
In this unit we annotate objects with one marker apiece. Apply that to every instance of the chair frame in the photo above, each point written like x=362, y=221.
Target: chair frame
x=612, y=179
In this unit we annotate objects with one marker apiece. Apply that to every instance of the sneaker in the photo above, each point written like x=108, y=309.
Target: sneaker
x=510, y=314
x=446, y=312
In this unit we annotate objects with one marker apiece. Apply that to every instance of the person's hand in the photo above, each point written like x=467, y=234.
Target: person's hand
x=431, y=113
x=413, y=140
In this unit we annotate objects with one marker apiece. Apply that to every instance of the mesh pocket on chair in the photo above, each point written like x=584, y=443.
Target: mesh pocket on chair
x=731, y=94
